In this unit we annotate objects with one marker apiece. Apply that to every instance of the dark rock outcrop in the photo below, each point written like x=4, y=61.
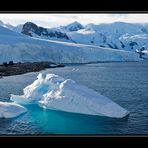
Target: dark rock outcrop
x=29, y=28
x=21, y=68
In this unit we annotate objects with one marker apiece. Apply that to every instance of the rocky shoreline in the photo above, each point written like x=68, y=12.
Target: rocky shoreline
x=21, y=68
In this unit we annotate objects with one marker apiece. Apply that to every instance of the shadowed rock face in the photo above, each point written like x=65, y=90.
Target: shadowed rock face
x=29, y=28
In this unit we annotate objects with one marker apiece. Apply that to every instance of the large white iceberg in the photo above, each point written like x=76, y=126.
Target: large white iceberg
x=54, y=92
x=10, y=110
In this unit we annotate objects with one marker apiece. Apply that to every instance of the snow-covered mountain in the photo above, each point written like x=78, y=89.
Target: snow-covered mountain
x=118, y=35
x=75, y=26
x=19, y=47
x=59, y=33
x=18, y=28
x=33, y=30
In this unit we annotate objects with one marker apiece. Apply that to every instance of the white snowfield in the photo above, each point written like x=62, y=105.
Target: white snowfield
x=18, y=47
x=118, y=35
x=54, y=92
x=11, y=110
x=137, y=40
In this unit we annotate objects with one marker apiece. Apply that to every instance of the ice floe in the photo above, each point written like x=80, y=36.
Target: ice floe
x=10, y=110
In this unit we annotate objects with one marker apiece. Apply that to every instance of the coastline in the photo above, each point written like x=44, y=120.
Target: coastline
x=26, y=67
x=22, y=68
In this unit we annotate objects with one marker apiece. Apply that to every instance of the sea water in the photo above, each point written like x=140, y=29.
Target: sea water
x=126, y=83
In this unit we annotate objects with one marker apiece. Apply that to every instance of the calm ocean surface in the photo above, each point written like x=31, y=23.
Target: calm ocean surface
x=126, y=83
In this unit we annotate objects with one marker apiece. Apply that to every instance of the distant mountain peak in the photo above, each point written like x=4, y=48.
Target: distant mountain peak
x=75, y=26
x=28, y=27
x=29, y=23
x=75, y=23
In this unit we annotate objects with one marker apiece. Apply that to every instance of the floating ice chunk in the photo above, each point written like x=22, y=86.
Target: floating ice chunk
x=10, y=110
x=75, y=69
x=54, y=92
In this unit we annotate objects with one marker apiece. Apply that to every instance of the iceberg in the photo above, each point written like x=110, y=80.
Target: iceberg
x=11, y=110
x=53, y=92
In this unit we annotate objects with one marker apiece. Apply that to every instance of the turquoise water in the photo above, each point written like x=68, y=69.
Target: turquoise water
x=125, y=83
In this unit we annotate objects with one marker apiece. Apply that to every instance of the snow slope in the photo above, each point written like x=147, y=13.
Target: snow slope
x=10, y=110
x=6, y=25
x=54, y=92
x=18, y=47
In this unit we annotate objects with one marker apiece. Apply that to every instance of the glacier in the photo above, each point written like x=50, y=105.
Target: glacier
x=53, y=92
x=11, y=110
x=18, y=47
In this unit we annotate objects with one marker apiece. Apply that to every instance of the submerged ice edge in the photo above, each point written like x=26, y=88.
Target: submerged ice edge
x=54, y=92
x=11, y=110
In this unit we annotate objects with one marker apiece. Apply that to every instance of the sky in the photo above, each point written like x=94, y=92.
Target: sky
x=53, y=20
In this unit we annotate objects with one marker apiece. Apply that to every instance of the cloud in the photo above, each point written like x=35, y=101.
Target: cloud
x=54, y=20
